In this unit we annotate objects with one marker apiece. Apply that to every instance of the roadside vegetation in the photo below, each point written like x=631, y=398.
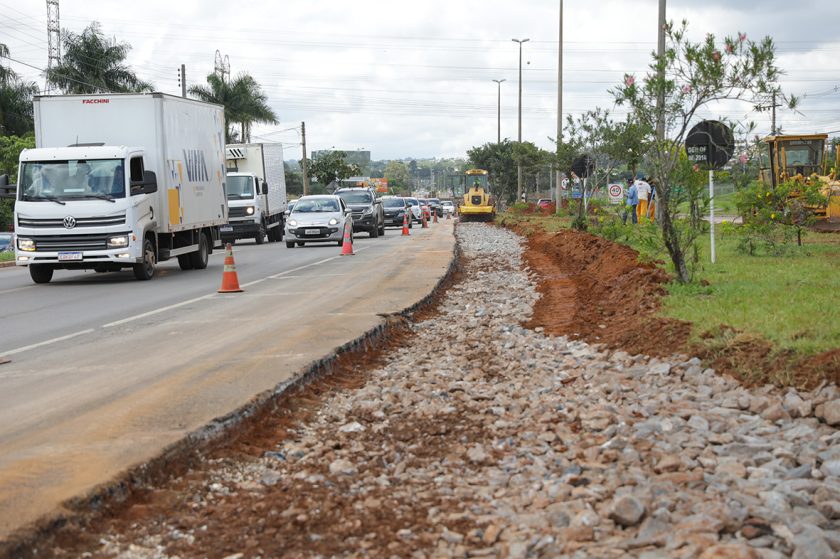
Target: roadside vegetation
x=776, y=306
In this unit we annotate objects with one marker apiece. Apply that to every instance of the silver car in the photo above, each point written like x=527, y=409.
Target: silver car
x=318, y=219
x=416, y=210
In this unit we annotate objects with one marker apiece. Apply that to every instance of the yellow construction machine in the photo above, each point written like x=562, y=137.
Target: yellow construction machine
x=804, y=160
x=478, y=204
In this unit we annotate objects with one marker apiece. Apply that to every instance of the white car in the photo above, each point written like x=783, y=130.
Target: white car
x=318, y=219
x=448, y=207
x=416, y=210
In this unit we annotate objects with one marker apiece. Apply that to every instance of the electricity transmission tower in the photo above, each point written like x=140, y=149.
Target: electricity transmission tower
x=53, y=39
x=222, y=66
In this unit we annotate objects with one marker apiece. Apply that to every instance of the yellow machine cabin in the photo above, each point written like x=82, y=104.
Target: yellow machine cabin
x=802, y=158
x=478, y=204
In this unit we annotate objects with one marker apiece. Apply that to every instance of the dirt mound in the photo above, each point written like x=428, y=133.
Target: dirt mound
x=597, y=290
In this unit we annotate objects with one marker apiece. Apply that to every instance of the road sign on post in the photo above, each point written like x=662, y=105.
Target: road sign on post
x=711, y=144
x=616, y=193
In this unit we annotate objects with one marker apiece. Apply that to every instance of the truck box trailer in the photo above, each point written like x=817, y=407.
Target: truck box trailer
x=256, y=192
x=120, y=181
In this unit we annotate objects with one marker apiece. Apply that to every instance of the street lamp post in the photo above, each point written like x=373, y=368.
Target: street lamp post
x=519, y=137
x=499, y=112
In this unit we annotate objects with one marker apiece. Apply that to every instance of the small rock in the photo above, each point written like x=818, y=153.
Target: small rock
x=342, y=466
x=491, y=534
x=353, y=427
x=831, y=412
x=730, y=551
x=477, y=455
x=669, y=463
x=627, y=511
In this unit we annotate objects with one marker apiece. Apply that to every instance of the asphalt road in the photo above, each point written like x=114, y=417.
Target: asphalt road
x=77, y=301
x=105, y=372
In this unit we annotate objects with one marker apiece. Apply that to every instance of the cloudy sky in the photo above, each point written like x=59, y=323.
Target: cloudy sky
x=414, y=79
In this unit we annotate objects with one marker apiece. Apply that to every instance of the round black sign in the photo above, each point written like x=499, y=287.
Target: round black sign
x=583, y=165
x=710, y=142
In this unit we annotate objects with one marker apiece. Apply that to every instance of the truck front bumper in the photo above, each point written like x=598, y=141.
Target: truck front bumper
x=77, y=251
x=239, y=230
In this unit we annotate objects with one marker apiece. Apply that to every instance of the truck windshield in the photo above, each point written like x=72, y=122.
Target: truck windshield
x=239, y=188
x=74, y=179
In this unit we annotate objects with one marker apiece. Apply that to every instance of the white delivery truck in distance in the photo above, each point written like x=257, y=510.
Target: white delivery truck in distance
x=256, y=192
x=120, y=181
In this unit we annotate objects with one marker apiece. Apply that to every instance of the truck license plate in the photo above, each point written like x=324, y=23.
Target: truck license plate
x=311, y=231
x=64, y=256
x=226, y=228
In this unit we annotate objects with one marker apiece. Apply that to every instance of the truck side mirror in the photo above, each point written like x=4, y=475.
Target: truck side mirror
x=149, y=182
x=264, y=188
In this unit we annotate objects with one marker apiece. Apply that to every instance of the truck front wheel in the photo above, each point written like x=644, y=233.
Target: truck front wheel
x=199, y=259
x=260, y=236
x=146, y=269
x=40, y=273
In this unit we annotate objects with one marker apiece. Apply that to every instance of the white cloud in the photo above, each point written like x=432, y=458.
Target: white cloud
x=415, y=78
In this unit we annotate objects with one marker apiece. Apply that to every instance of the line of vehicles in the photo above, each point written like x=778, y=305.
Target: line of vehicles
x=122, y=181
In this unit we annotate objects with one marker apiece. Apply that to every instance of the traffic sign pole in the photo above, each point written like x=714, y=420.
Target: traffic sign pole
x=712, y=210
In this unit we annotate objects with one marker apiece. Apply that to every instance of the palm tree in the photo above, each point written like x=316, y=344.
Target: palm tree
x=91, y=63
x=15, y=101
x=243, y=100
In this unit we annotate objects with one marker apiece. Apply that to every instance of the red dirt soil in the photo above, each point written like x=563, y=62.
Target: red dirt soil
x=598, y=291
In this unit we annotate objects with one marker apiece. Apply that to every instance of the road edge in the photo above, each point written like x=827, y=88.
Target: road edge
x=183, y=454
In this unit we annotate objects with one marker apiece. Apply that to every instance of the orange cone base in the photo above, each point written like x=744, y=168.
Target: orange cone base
x=435, y=219
x=230, y=280
x=347, y=244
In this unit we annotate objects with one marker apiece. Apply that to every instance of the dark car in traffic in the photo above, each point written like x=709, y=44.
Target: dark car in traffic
x=396, y=209
x=368, y=214
x=435, y=206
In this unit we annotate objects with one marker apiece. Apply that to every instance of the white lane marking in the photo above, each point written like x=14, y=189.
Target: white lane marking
x=48, y=342
x=208, y=296
x=156, y=311
x=16, y=289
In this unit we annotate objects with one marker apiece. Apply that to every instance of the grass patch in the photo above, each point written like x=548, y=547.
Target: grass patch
x=7, y=256
x=789, y=301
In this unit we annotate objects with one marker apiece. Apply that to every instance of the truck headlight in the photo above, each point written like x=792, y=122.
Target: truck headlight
x=333, y=221
x=367, y=211
x=249, y=210
x=27, y=245
x=120, y=241
x=292, y=223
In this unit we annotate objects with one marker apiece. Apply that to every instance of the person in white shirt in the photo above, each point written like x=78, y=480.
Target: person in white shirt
x=643, y=189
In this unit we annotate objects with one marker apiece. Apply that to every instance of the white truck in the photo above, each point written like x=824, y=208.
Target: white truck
x=120, y=181
x=256, y=192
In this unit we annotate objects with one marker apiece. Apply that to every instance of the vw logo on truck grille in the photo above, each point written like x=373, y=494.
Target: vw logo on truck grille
x=69, y=222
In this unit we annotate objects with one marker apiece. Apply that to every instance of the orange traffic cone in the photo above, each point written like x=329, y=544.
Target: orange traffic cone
x=347, y=243
x=230, y=281
x=425, y=223
x=435, y=218
x=448, y=215
x=405, y=232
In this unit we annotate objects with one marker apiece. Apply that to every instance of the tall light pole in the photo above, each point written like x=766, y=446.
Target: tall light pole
x=519, y=165
x=499, y=112
x=557, y=183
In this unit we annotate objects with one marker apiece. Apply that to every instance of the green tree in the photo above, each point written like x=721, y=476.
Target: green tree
x=243, y=100
x=687, y=77
x=294, y=181
x=332, y=166
x=15, y=100
x=397, y=174
x=92, y=63
x=500, y=160
x=10, y=148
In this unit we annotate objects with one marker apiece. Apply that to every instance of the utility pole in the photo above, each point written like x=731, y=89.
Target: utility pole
x=773, y=117
x=519, y=136
x=660, y=52
x=304, y=165
x=499, y=112
x=182, y=80
x=660, y=99
x=557, y=180
x=53, y=39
